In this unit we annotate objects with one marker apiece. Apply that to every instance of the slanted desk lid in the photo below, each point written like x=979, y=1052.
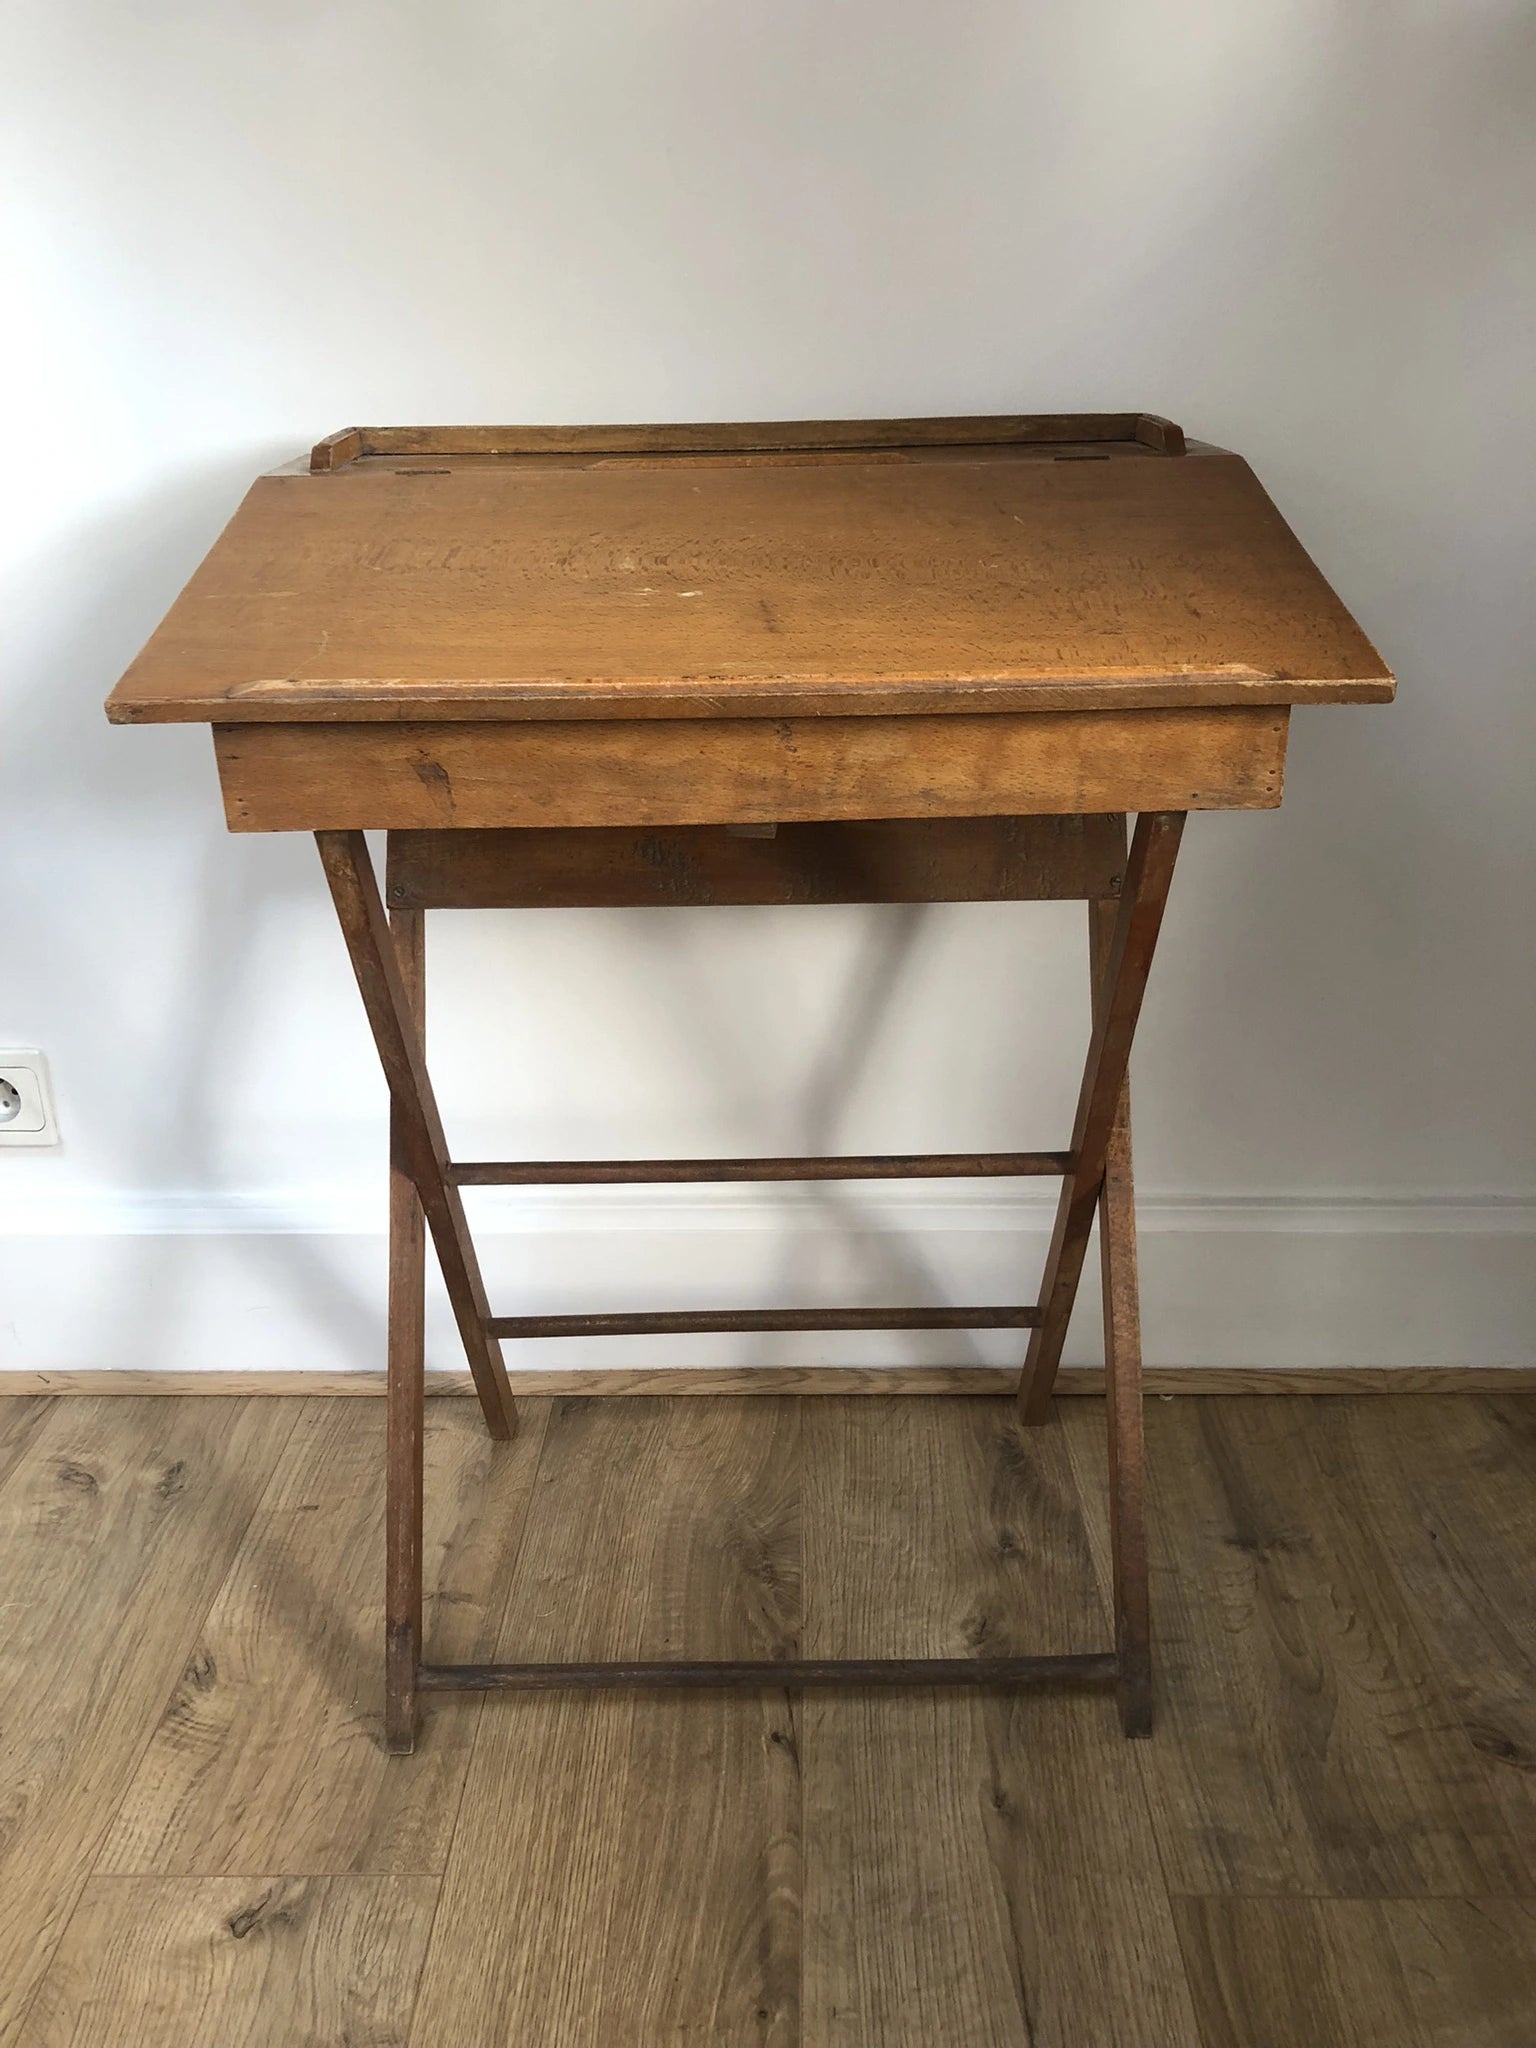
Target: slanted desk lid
x=1033, y=563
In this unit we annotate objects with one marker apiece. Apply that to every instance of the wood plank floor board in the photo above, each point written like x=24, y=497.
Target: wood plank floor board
x=1377, y=1973
x=1389, y=1754
x=269, y=1756
x=1337, y=1794
x=19, y=1423
x=118, y=1522
x=237, y=1962
x=1305, y=1742
x=979, y=1867
x=944, y=1534
x=1469, y=1966
x=1450, y=1491
x=627, y=1867
x=1223, y=1808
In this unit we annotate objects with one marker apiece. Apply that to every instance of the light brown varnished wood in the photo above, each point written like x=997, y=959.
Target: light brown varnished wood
x=515, y=588
x=1125, y=1433
x=262, y=1961
x=1450, y=1494
x=267, y=1755
x=784, y=1167
x=20, y=1420
x=1306, y=1740
x=284, y=778
x=1398, y=1973
x=418, y=1129
x=952, y=1844
x=907, y=860
x=478, y=630
x=337, y=449
x=117, y=1524
x=1119, y=991
x=323, y=1926
x=406, y=1374
x=754, y=437
x=646, y=1848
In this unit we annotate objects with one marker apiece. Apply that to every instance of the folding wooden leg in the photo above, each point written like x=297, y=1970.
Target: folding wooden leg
x=424, y=1185
x=407, y=1360
x=1148, y=874
x=355, y=891
x=1122, y=1386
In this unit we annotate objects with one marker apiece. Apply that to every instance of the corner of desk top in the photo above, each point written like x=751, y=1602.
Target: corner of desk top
x=123, y=709
x=336, y=450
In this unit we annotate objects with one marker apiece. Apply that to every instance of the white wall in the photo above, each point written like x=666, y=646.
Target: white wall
x=1304, y=230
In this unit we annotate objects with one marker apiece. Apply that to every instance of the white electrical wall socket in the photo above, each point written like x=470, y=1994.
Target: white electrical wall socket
x=26, y=1100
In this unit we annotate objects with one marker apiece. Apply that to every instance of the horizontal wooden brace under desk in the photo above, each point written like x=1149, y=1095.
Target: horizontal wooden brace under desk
x=1093, y=1667
x=362, y=776
x=1073, y=857
x=709, y=1322
x=550, y=1173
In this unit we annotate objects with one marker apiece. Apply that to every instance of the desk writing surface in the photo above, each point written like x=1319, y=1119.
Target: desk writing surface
x=580, y=582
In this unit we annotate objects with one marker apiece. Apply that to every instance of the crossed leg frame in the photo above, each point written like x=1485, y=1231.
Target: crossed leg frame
x=388, y=958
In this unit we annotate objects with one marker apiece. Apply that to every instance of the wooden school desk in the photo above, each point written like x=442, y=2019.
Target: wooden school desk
x=935, y=660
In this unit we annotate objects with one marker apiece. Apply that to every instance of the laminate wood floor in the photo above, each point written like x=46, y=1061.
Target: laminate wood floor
x=1330, y=1839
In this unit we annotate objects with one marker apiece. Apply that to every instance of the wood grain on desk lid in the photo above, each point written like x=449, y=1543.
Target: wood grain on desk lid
x=968, y=580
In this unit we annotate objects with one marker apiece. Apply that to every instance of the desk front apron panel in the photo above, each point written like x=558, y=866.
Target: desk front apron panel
x=287, y=778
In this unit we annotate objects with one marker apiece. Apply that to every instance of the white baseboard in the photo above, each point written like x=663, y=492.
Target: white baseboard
x=240, y=1283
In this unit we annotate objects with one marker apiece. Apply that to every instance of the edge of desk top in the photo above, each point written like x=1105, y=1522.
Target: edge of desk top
x=853, y=567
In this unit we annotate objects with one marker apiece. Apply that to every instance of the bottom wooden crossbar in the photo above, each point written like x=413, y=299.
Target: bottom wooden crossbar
x=1097, y=1668
x=697, y=1322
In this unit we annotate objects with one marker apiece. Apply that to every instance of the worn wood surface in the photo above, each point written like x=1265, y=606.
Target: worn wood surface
x=952, y=1848
x=405, y=1373
x=1448, y=1496
x=1394, y=1973
x=976, y=578
x=1119, y=985
x=930, y=860
x=662, y=772
x=655, y=1837
x=1312, y=1743
x=1125, y=1430
x=268, y=1755
x=118, y=1522
x=1008, y=433
x=416, y=1130
x=237, y=1962
x=714, y=1170
x=1326, y=1840
x=21, y=1422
